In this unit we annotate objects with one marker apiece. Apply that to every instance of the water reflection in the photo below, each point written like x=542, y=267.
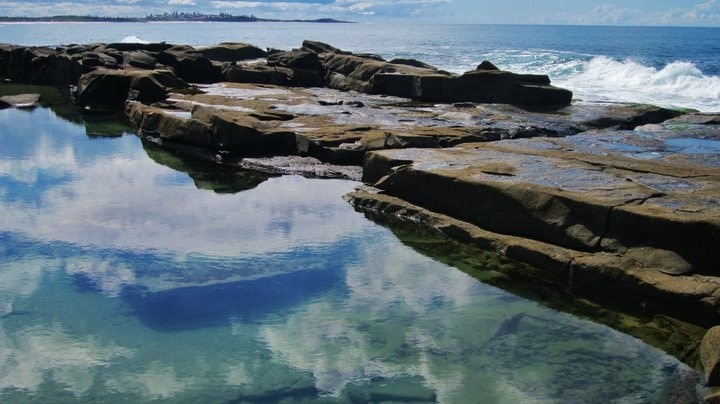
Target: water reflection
x=120, y=280
x=206, y=175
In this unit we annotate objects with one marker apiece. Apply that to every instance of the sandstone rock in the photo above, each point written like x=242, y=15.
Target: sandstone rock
x=412, y=62
x=110, y=88
x=189, y=64
x=232, y=51
x=486, y=65
x=140, y=59
x=320, y=47
x=38, y=65
x=710, y=356
x=19, y=101
x=103, y=87
x=167, y=126
x=295, y=59
x=628, y=116
x=541, y=190
x=241, y=133
x=90, y=60
x=133, y=47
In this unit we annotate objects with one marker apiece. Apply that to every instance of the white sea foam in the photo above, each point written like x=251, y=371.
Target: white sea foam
x=133, y=39
x=678, y=84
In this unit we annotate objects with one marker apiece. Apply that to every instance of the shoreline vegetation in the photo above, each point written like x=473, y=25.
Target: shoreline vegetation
x=166, y=17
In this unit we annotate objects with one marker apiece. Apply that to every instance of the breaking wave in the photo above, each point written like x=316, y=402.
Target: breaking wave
x=133, y=39
x=677, y=84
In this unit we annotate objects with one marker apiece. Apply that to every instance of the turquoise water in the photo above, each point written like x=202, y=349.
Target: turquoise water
x=667, y=66
x=128, y=274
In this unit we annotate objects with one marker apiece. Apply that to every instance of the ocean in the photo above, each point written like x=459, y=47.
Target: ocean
x=666, y=66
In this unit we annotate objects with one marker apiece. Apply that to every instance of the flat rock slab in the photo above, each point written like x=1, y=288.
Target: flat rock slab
x=339, y=127
x=624, y=213
x=20, y=101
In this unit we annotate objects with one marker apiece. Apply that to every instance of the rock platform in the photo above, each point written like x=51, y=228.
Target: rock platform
x=619, y=203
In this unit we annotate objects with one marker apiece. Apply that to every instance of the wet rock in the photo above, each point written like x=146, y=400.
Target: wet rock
x=232, y=51
x=626, y=116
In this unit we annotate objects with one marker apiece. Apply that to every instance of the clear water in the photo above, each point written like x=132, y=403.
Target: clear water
x=666, y=66
x=128, y=274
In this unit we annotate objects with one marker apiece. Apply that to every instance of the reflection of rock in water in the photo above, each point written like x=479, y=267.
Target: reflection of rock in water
x=397, y=390
x=193, y=307
x=218, y=178
x=548, y=358
x=107, y=125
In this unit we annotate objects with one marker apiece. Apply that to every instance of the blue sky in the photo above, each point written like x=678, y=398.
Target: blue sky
x=603, y=12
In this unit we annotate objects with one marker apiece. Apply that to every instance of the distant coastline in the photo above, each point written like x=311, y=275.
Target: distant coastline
x=166, y=17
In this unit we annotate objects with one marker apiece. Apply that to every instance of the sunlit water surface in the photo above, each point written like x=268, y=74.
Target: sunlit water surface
x=129, y=275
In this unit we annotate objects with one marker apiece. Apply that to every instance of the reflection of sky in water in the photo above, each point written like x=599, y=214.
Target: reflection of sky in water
x=120, y=280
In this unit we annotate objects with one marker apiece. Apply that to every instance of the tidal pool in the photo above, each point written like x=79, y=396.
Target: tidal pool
x=128, y=274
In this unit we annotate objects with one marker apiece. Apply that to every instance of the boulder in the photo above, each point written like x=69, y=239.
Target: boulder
x=140, y=59
x=133, y=47
x=489, y=86
x=91, y=60
x=103, y=87
x=110, y=88
x=486, y=65
x=710, y=356
x=38, y=65
x=233, y=51
x=237, y=132
x=320, y=47
x=295, y=59
x=190, y=64
x=259, y=74
x=263, y=74
x=165, y=126
x=412, y=62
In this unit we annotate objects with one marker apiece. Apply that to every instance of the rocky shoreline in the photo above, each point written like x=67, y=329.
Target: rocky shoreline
x=619, y=203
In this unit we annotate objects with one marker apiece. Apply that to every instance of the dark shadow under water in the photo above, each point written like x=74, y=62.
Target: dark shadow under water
x=197, y=307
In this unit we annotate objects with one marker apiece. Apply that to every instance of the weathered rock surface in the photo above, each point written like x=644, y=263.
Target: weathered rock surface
x=111, y=88
x=232, y=52
x=315, y=64
x=710, y=355
x=19, y=101
x=611, y=214
x=614, y=202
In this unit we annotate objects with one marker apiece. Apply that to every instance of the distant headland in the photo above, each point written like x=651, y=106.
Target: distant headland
x=165, y=17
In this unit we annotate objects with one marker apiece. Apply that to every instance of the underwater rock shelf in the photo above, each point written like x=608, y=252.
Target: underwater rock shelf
x=616, y=202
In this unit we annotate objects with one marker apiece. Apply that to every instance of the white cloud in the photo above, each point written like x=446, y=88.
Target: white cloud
x=181, y=2
x=30, y=356
x=707, y=13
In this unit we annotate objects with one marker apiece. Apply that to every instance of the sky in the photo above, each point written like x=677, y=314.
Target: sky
x=580, y=12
